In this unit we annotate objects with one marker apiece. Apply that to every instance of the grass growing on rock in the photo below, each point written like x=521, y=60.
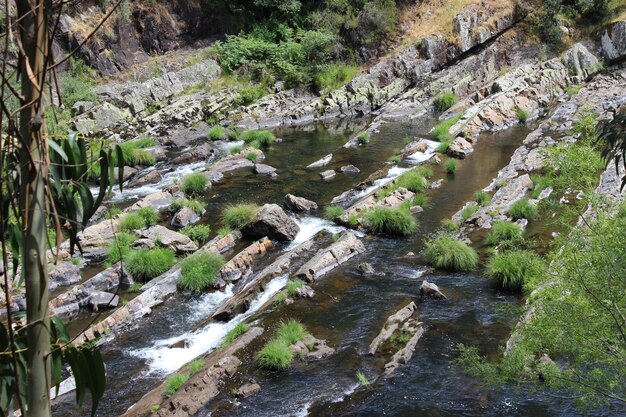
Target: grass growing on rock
x=199, y=272
x=258, y=138
x=363, y=381
x=174, y=382
x=275, y=355
x=132, y=222
x=199, y=233
x=513, y=269
x=149, y=215
x=237, y=216
x=291, y=331
x=397, y=222
x=504, y=231
x=234, y=333
x=482, y=197
x=195, y=365
x=447, y=252
x=235, y=149
x=412, y=180
x=332, y=212
x=523, y=209
x=441, y=130
x=521, y=114
x=363, y=138
x=134, y=154
x=217, y=133
x=469, y=211
x=194, y=184
x=451, y=166
x=196, y=206
x=120, y=247
x=293, y=286
x=445, y=101
x=144, y=265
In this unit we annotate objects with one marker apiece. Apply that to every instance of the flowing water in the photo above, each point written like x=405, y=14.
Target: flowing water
x=349, y=308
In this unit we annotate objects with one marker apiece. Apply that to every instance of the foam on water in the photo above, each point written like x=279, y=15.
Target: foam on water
x=419, y=157
x=163, y=359
x=309, y=227
x=393, y=173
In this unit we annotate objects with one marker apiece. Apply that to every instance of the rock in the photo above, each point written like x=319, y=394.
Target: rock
x=178, y=242
x=366, y=268
x=322, y=162
x=409, y=255
x=436, y=184
x=273, y=222
x=393, y=323
x=416, y=209
x=150, y=177
x=295, y=203
x=157, y=151
x=101, y=299
x=580, y=61
x=247, y=390
x=81, y=107
x=350, y=169
x=262, y=169
x=305, y=292
x=63, y=274
x=126, y=174
x=158, y=200
x=238, y=266
x=328, y=174
x=329, y=258
x=614, y=41
x=185, y=216
x=320, y=350
x=430, y=290
x=460, y=148
x=406, y=353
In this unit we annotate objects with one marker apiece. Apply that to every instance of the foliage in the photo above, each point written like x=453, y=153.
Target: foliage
x=260, y=138
x=120, y=247
x=451, y=166
x=521, y=114
x=573, y=166
x=134, y=153
x=482, y=197
x=333, y=76
x=412, y=180
x=446, y=252
x=235, y=150
x=149, y=216
x=398, y=221
x=234, y=333
x=224, y=231
x=441, y=130
x=613, y=136
x=363, y=138
x=291, y=331
x=445, y=101
x=513, y=270
x=195, y=365
x=131, y=222
x=523, y=209
x=135, y=287
x=194, y=184
x=199, y=272
x=199, y=233
x=174, y=382
x=449, y=225
x=585, y=128
x=249, y=95
x=503, y=231
x=363, y=381
x=196, y=206
x=469, y=210
x=237, y=216
x=252, y=157
x=145, y=264
x=293, y=286
x=332, y=212
x=217, y=133
x=275, y=355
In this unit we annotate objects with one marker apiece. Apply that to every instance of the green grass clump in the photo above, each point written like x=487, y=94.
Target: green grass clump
x=120, y=247
x=293, y=286
x=420, y=200
x=440, y=131
x=504, y=231
x=291, y=332
x=511, y=270
x=482, y=197
x=217, y=133
x=194, y=184
x=135, y=287
x=451, y=166
x=398, y=221
x=363, y=381
x=395, y=159
x=258, y=137
x=333, y=77
x=363, y=138
x=252, y=157
x=234, y=333
x=447, y=252
x=195, y=365
x=174, y=382
x=468, y=211
x=275, y=355
x=445, y=101
x=132, y=222
x=412, y=180
x=449, y=225
x=332, y=212
x=521, y=114
x=134, y=154
x=199, y=233
x=199, y=272
x=144, y=265
x=237, y=216
x=523, y=209
x=149, y=215
x=224, y=231
x=249, y=95
x=444, y=145
x=196, y=206
x=235, y=149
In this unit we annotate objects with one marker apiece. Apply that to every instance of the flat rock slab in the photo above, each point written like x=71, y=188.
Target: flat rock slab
x=328, y=174
x=178, y=242
x=321, y=162
x=329, y=258
x=263, y=169
x=392, y=324
x=295, y=203
x=242, y=263
x=100, y=299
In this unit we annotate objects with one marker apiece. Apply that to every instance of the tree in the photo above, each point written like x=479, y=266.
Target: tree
x=42, y=184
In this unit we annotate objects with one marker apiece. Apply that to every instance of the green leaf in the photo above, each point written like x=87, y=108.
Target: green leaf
x=56, y=148
x=120, y=168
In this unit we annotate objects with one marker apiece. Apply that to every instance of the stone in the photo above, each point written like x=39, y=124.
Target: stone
x=100, y=299
x=393, y=323
x=350, y=169
x=126, y=174
x=157, y=151
x=81, y=107
x=165, y=237
x=460, y=148
x=328, y=174
x=614, y=41
x=295, y=203
x=305, y=292
x=580, y=61
x=145, y=178
x=321, y=162
x=430, y=290
x=263, y=169
x=184, y=217
x=329, y=258
x=416, y=209
x=273, y=222
x=247, y=390
x=366, y=268
x=63, y=274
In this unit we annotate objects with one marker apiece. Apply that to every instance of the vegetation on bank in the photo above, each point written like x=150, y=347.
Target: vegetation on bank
x=194, y=184
x=234, y=333
x=516, y=269
x=391, y=221
x=199, y=233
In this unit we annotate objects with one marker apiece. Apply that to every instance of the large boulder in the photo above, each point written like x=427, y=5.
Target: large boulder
x=614, y=41
x=431, y=290
x=150, y=177
x=295, y=203
x=178, y=242
x=273, y=222
x=460, y=148
x=185, y=216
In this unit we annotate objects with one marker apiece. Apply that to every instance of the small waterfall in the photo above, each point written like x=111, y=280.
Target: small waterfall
x=309, y=227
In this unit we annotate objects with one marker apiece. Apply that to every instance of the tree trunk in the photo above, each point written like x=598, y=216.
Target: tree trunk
x=33, y=28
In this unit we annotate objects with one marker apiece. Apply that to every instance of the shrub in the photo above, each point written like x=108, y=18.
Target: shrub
x=199, y=233
x=195, y=365
x=293, y=286
x=397, y=221
x=504, y=231
x=523, y=209
x=217, y=133
x=440, y=131
x=149, y=215
x=144, y=265
x=586, y=126
x=120, y=247
x=132, y=222
x=482, y=197
x=512, y=269
x=575, y=165
x=332, y=212
x=468, y=211
x=234, y=333
x=237, y=216
x=199, y=272
x=275, y=355
x=363, y=138
x=194, y=184
x=444, y=251
x=291, y=332
x=445, y=101
x=412, y=180
x=451, y=166
x=174, y=382
x=261, y=137
x=521, y=114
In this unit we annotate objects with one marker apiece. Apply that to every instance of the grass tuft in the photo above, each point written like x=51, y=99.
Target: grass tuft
x=332, y=212
x=234, y=333
x=237, y=216
x=447, y=252
x=199, y=272
x=440, y=131
x=523, y=209
x=398, y=221
x=195, y=365
x=275, y=355
x=174, y=382
x=217, y=133
x=482, y=198
x=120, y=247
x=199, y=233
x=363, y=138
x=144, y=265
x=260, y=138
x=511, y=270
x=291, y=331
x=363, y=381
x=445, y=101
x=451, y=166
x=521, y=114
x=194, y=184
x=293, y=286
x=504, y=231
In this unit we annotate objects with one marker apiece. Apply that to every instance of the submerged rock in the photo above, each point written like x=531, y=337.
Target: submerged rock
x=322, y=162
x=350, y=169
x=295, y=203
x=273, y=222
x=247, y=390
x=366, y=268
x=263, y=169
x=328, y=174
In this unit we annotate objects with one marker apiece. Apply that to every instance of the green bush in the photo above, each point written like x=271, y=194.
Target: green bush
x=523, y=209
x=275, y=355
x=199, y=272
x=261, y=137
x=521, y=114
x=446, y=252
x=332, y=212
x=332, y=77
x=585, y=127
x=445, y=101
x=120, y=247
x=194, y=184
x=134, y=154
x=224, y=231
x=512, y=269
x=451, y=166
x=132, y=222
x=149, y=215
x=199, y=233
x=482, y=198
x=420, y=200
x=291, y=332
x=398, y=221
x=174, y=382
x=178, y=203
x=237, y=216
x=234, y=333
x=444, y=145
x=440, y=131
x=449, y=225
x=504, y=231
x=217, y=133
x=144, y=265
x=469, y=211
x=364, y=138
x=575, y=166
